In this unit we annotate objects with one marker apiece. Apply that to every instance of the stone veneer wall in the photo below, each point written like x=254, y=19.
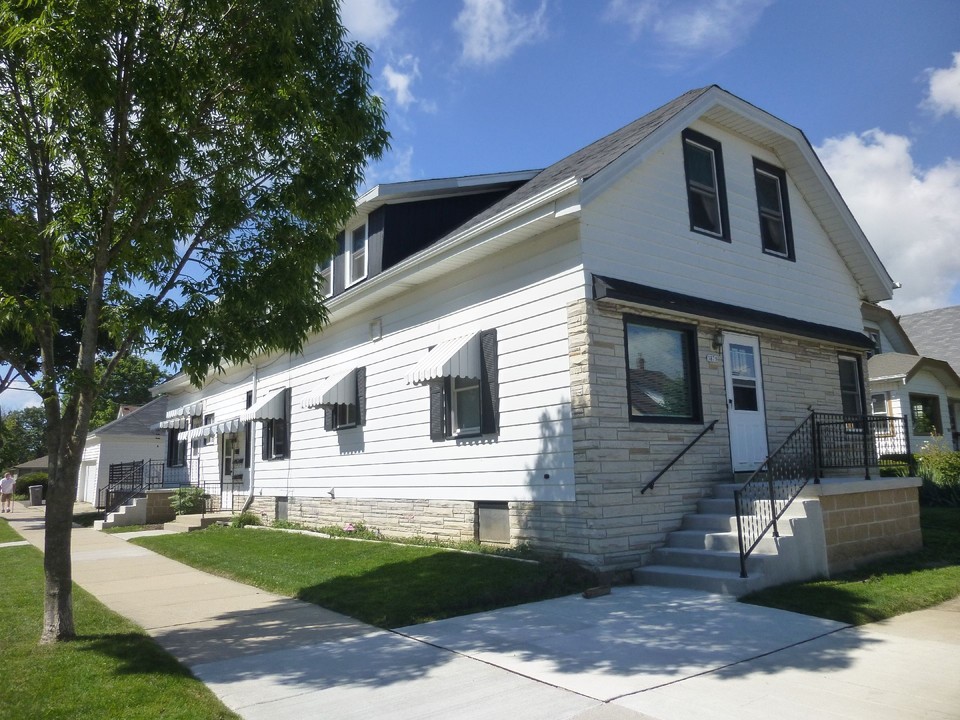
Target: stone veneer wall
x=444, y=521
x=868, y=520
x=610, y=525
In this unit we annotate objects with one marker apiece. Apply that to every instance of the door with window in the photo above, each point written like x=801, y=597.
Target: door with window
x=231, y=467
x=745, y=408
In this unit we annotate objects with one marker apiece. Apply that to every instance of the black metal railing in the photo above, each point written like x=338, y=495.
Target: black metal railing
x=126, y=481
x=762, y=499
x=649, y=485
x=822, y=442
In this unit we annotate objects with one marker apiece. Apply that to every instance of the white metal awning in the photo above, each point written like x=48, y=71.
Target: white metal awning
x=174, y=423
x=457, y=357
x=186, y=411
x=338, y=388
x=271, y=407
x=213, y=429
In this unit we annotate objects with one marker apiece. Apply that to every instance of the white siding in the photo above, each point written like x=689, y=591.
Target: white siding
x=639, y=230
x=523, y=294
x=103, y=452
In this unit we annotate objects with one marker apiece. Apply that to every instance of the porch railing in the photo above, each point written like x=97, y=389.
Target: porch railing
x=822, y=442
x=126, y=481
x=649, y=485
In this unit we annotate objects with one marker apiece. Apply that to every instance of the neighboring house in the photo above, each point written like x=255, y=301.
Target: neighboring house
x=514, y=357
x=936, y=333
x=129, y=438
x=39, y=464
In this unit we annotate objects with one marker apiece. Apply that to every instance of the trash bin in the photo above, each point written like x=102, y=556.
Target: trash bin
x=36, y=494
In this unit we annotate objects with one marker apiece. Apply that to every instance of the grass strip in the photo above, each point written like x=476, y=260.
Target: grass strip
x=886, y=588
x=7, y=533
x=112, y=670
x=379, y=583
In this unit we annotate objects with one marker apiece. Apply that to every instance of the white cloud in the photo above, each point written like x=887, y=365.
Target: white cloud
x=910, y=215
x=690, y=27
x=395, y=166
x=400, y=78
x=943, y=95
x=369, y=21
x=18, y=396
x=492, y=30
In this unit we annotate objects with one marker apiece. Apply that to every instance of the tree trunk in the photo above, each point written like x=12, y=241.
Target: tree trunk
x=58, y=574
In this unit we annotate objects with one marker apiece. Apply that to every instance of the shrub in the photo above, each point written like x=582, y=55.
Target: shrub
x=188, y=500
x=939, y=468
x=245, y=518
x=25, y=481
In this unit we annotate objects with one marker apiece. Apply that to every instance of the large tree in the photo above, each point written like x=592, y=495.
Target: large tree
x=128, y=383
x=172, y=173
x=22, y=436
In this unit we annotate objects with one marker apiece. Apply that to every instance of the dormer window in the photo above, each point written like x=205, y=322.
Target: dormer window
x=326, y=279
x=706, y=188
x=776, y=234
x=356, y=255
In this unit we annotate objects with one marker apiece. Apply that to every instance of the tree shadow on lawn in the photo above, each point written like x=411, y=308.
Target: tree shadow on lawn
x=135, y=654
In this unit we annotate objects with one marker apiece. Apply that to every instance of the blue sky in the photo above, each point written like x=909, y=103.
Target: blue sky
x=475, y=86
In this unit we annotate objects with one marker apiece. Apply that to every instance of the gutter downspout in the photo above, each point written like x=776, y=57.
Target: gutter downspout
x=253, y=448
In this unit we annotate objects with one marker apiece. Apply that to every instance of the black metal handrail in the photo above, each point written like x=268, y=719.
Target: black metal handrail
x=823, y=441
x=649, y=485
x=767, y=494
x=127, y=481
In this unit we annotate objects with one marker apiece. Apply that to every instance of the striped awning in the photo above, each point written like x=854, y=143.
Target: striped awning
x=213, y=429
x=338, y=388
x=186, y=411
x=271, y=407
x=175, y=423
x=456, y=357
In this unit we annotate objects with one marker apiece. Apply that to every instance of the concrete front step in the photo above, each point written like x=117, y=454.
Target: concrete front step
x=717, y=506
x=188, y=523
x=715, y=522
x=715, y=581
x=725, y=560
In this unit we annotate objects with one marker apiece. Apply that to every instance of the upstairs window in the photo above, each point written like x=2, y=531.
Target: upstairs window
x=706, y=188
x=776, y=233
x=326, y=279
x=356, y=260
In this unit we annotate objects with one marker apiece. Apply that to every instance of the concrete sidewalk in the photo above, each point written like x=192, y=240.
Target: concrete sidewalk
x=640, y=652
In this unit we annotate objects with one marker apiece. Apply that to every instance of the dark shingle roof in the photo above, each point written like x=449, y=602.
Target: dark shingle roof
x=137, y=422
x=588, y=161
x=936, y=333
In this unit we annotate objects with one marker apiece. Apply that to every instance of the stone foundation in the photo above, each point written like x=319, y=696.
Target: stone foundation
x=440, y=520
x=868, y=519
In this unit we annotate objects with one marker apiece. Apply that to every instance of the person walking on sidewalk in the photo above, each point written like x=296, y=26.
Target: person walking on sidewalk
x=6, y=492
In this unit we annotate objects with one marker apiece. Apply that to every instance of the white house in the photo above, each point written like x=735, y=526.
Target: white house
x=129, y=438
x=513, y=357
x=903, y=383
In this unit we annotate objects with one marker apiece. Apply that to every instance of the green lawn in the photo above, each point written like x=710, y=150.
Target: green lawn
x=112, y=670
x=7, y=533
x=885, y=588
x=379, y=583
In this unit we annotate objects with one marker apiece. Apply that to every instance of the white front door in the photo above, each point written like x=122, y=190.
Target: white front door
x=745, y=410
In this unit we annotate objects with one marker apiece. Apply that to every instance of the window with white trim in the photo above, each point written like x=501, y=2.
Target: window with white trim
x=462, y=407
x=326, y=279
x=356, y=255
x=464, y=396
x=776, y=232
x=706, y=188
x=275, y=436
x=851, y=388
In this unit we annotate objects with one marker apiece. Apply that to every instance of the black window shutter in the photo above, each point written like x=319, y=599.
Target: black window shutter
x=266, y=438
x=287, y=414
x=489, y=384
x=328, y=415
x=361, y=375
x=437, y=412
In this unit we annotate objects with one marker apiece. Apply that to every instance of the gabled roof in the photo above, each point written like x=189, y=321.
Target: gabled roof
x=899, y=366
x=936, y=333
x=890, y=326
x=137, y=422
